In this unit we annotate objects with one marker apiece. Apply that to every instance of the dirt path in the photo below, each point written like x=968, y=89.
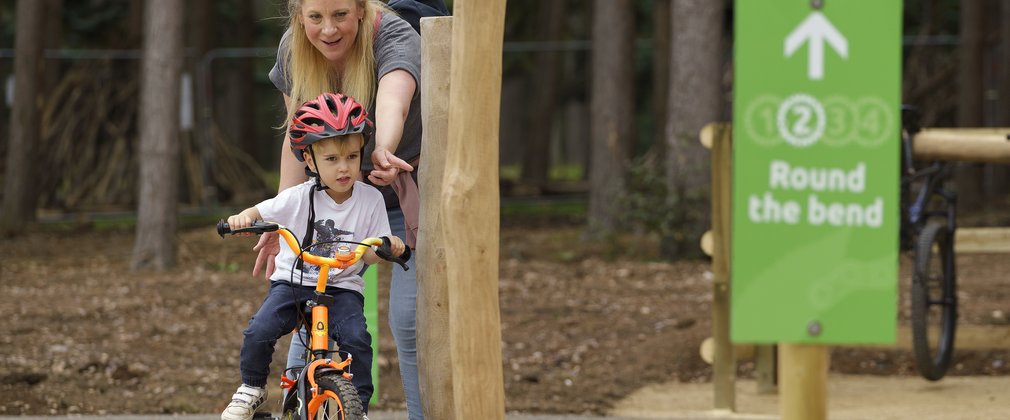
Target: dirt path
x=585, y=325
x=849, y=397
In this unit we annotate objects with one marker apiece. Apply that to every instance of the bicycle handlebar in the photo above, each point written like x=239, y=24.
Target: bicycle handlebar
x=345, y=257
x=258, y=227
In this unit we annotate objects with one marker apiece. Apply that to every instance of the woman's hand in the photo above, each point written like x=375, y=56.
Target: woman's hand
x=386, y=167
x=268, y=246
x=396, y=245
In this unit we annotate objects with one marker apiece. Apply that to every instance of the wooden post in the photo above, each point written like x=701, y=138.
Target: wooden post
x=765, y=368
x=433, y=361
x=470, y=205
x=803, y=382
x=724, y=364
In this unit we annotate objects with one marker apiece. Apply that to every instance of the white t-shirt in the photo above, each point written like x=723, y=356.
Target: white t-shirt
x=361, y=216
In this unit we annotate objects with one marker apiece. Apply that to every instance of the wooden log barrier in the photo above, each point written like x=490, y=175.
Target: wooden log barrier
x=982, y=240
x=987, y=145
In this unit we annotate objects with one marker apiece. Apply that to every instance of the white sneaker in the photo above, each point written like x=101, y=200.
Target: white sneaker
x=244, y=403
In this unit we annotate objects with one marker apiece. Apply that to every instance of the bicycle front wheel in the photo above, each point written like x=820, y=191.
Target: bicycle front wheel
x=341, y=401
x=934, y=301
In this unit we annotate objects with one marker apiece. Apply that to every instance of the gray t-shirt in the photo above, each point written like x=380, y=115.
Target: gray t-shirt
x=397, y=46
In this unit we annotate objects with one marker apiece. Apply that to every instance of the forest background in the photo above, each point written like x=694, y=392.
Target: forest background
x=601, y=106
x=653, y=71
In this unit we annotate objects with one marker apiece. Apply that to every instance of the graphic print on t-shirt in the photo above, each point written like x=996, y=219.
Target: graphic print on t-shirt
x=326, y=231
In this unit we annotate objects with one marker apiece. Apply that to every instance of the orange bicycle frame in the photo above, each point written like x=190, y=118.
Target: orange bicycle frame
x=319, y=337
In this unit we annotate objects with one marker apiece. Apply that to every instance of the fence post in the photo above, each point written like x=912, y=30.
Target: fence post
x=717, y=136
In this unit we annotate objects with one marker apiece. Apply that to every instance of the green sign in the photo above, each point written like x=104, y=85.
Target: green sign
x=371, y=279
x=816, y=125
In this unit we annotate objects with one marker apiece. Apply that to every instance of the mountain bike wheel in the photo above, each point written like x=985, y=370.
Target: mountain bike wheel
x=934, y=301
x=342, y=402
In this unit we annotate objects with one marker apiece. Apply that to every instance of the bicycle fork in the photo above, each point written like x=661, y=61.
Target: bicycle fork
x=319, y=345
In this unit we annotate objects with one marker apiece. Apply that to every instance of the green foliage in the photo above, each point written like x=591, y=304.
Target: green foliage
x=7, y=24
x=944, y=17
x=99, y=24
x=510, y=172
x=563, y=172
x=272, y=178
x=646, y=203
x=544, y=209
x=566, y=172
x=677, y=217
x=225, y=266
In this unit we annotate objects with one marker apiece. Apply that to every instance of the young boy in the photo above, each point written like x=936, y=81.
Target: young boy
x=328, y=133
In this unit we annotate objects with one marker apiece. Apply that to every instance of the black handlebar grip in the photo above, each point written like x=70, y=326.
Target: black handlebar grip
x=385, y=252
x=258, y=227
x=223, y=228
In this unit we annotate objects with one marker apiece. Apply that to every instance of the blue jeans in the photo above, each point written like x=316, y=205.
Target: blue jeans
x=278, y=315
x=402, y=323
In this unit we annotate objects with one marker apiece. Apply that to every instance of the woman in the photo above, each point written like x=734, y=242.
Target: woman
x=360, y=48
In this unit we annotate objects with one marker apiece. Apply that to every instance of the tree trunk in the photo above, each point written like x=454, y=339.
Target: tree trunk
x=52, y=74
x=198, y=186
x=612, y=111
x=694, y=100
x=159, y=135
x=135, y=24
x=53, y=41
x=239, y=99
x=660, y=75
x=19, y=194
x=536, y=155
x=968, y=176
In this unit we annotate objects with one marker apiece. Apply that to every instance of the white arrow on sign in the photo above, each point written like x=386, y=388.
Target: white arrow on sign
x=817, y=29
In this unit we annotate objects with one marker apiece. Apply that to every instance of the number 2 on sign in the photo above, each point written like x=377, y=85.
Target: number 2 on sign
x=808, y=120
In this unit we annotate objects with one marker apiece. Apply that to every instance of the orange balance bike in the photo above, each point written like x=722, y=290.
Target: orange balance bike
x=322, y=389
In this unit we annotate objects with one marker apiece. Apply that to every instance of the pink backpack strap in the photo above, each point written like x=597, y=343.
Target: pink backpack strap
x=378, y=18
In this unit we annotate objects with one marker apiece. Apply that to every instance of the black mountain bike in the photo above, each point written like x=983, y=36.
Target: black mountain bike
x=927, y=230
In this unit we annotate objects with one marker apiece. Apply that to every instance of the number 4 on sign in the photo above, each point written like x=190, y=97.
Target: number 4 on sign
x=816, y=29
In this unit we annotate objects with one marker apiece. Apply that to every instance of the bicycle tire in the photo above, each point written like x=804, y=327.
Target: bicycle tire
x=345, y=392
x=934, y=301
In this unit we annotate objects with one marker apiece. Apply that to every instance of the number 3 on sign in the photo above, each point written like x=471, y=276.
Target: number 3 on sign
x=801, y=120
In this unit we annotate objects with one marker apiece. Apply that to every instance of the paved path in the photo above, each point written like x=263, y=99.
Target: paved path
x=849, y=397
x=386, y=415
x=855, y=397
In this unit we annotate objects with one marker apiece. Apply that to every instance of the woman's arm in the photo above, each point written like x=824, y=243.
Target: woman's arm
x=392, y=102
x=292, y=171
x=291, y=174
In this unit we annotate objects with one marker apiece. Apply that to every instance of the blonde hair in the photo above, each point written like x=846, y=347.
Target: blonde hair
x=312, y=74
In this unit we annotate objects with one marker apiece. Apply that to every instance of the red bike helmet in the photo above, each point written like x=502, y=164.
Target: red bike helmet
x=329, y=115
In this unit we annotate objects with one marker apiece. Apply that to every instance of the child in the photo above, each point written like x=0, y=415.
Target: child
x=328, y=133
